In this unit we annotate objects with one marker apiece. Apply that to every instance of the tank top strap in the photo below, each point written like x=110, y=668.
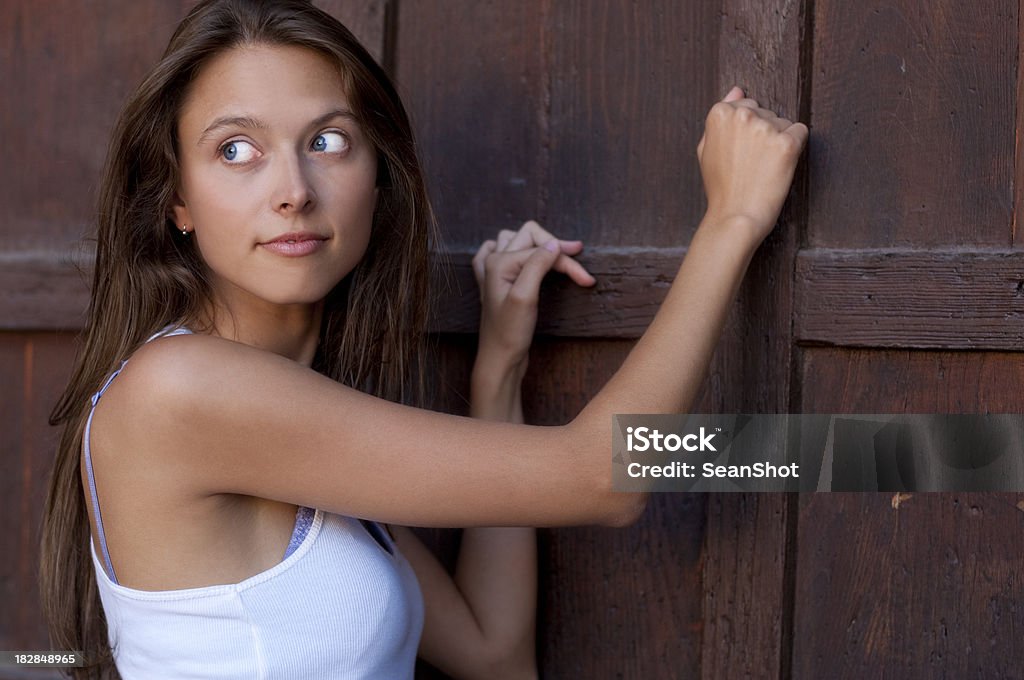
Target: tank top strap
x=167, y=331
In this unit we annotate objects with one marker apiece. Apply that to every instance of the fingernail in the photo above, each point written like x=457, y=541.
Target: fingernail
x=552, y=245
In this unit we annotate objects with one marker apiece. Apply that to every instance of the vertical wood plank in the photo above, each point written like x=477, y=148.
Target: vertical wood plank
x=912, y=106
x=927, y=587
x=931, y=585
x=630, y=87
x=475, y=91
x=748, y=540
x=12, y=435
x=72, y=65
x=1018, y=127
x=34, y=367
x=615, y=603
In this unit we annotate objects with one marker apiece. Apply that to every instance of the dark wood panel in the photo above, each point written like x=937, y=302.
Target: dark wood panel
x=748, y=552
x=614, y=603
x=472, y=77
x=44, y=290
x=1018, y=173
x=926, y=299
x=893, y=381
x=920, y=585
x=746, y=585
x=34, y=368
x=929, y=586
x=12, y=437
x=625, y=603
x=72, y=65
x=914, y=124
x=630, y=86
x=366, y=19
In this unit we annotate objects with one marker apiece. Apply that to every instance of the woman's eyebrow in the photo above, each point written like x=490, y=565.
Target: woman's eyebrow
x=256, y=123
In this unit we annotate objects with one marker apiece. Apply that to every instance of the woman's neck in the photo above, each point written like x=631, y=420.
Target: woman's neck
x=292, y=331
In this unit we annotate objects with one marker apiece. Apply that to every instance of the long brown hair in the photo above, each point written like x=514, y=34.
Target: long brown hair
x=147, y=275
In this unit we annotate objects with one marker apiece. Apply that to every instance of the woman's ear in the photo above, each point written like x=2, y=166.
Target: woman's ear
x=179, y=213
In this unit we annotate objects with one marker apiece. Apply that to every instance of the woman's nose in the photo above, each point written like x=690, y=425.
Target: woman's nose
x=293, y=191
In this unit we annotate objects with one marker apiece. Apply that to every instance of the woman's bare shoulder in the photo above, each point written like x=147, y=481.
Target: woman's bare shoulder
x=236, y=419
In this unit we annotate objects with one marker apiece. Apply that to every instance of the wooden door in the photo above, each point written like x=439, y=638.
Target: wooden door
x=892, y=284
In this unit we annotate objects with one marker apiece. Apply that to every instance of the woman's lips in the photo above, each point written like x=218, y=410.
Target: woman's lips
x=295, y=245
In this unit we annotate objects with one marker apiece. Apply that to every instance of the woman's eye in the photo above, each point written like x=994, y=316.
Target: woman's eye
x=238, y=151
x=330, y=142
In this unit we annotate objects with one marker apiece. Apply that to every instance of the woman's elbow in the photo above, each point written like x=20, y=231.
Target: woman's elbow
x=607, y=506
x=627, y=508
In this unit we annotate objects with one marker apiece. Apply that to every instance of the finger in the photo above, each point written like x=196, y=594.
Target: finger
x=799, y=132
x=507, y=264
x=479, y=266
x=505, y=236
x=530, y=235
x=527, y=285
x=574, y=269
x=734, y=94
x=748, y=103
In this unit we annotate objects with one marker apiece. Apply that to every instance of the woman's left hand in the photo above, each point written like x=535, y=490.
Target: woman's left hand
x=509, y=272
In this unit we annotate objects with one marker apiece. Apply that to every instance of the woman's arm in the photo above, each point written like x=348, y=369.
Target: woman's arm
x=258, y=424
x=482, y=623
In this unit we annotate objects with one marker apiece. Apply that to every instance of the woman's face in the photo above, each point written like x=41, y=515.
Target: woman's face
x=277, y=179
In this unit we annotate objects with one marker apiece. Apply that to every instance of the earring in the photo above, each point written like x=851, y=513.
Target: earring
x=184, y=231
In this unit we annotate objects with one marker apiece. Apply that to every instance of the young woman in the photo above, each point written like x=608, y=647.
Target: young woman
x=247, y=382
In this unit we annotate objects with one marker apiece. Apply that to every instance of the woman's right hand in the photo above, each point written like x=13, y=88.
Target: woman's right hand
x=747, y=158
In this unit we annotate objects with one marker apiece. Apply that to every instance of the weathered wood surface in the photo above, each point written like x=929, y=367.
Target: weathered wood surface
x=924, y=585
x=584, y=116
x=34, y=367
x=911, y=298
x=747, y=551
x=913, y=113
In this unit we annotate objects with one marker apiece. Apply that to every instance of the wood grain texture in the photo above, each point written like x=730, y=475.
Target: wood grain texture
x=72, y=65
x=911, y=298
x=12, y=439
x=44, y=290
x=931, y=587
x=615, y=603
x=630, y=86
x=748, y=551
x=914, y=124
x=34, y=369
x=472, y=76
x=1017, y=236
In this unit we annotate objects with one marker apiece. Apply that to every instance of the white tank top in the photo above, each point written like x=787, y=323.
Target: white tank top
x=341, y=605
